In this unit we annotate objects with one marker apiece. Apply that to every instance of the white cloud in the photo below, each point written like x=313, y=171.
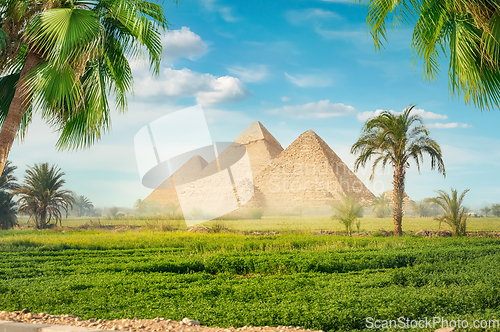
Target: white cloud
x=227, y=14
x=223, y=116
x=448, y=125
x=249, y=74
x=354, y=36
x=309, y=80
x=206, y=88
x=338, y=1
x=183, y=43
x=320, y=110
x=285, y=98
x=424, y=114
x=298, y=17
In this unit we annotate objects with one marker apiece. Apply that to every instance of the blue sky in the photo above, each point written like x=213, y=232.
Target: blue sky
x=293, y=65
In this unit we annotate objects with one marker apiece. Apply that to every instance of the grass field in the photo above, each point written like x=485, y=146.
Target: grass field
x=331, y=283
x=283, y=224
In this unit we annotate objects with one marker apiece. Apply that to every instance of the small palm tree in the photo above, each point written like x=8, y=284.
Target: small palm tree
x=381, y=206
x=395, y=139
x=486, y=210
x=347, y=211
x=422, y=208
x=81, y=205
x=8, y=184
x=454, y=214
x=42, y=196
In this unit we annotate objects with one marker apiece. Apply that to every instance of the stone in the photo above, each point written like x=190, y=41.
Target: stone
x=188, y=321
x=445, y=329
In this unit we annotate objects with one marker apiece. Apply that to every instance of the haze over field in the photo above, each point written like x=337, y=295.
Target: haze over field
x=294, y=66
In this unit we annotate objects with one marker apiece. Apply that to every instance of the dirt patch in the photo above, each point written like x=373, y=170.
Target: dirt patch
x=133, y=325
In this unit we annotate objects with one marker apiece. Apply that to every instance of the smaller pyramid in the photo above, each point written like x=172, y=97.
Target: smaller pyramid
x=166, y=194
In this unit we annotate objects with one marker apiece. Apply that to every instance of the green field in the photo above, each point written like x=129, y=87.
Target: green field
x=290, y=223
x=331, y=283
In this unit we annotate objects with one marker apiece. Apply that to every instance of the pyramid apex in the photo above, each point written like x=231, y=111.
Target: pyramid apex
x=255, y=132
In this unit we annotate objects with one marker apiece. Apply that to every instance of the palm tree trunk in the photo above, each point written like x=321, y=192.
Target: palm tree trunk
x=18, y=106
x=397, y=198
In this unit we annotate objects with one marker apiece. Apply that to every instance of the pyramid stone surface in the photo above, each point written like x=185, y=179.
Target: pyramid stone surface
x=166, y=194
x=261, y=146
x=308, y=173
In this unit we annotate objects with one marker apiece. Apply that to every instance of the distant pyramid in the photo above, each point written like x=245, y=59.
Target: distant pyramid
x=166, y=194
x=308, y=173
x=261, y=146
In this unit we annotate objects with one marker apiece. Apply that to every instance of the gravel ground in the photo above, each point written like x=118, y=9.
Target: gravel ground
x=150, y=325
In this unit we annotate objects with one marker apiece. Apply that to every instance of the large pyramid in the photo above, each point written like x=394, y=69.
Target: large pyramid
x=309, y=174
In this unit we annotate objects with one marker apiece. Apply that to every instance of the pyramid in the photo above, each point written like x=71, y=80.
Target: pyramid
x=308, y=173
x=261, y=146
x=166, y=194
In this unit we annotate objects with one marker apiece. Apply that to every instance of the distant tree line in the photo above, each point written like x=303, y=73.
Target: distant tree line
x=41, y=197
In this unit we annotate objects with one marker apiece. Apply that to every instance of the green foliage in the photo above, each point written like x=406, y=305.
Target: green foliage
x=422, y=208
x=454, y=214
x=330, y=283
x=42, y=196
x=8, y=184
x=85, y=48
x=381, y=206
x=347, y=211
x=113, y=212
x=466, y=31
x=395, y=139
x=495, y=210
x=486, y=210
x=256, y=213
x=82, y=205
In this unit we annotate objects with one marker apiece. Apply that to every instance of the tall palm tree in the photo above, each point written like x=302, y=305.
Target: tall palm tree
x=63, y=58
x=395, y=139
x=454, y=214
x=8, y=184
x=42, y=196
x=381, y=206
x=81, y=205
x=467, y=31
x=347, y=210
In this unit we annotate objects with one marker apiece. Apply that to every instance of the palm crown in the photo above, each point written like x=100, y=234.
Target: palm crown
x=394, y=140
x=63, y=58
x=468, y=31
x=42, y=196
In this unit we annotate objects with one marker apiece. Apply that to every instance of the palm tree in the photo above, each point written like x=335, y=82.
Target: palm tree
x=347, y=211
x=8, y=184
x=42, y=196
x=495, y=210
x=455, y=215
x=81, y=205
x=63, y=58
x=422, y=208
x=380, y=206
x=486, y=210
x=394, y=139
x=466, y=30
